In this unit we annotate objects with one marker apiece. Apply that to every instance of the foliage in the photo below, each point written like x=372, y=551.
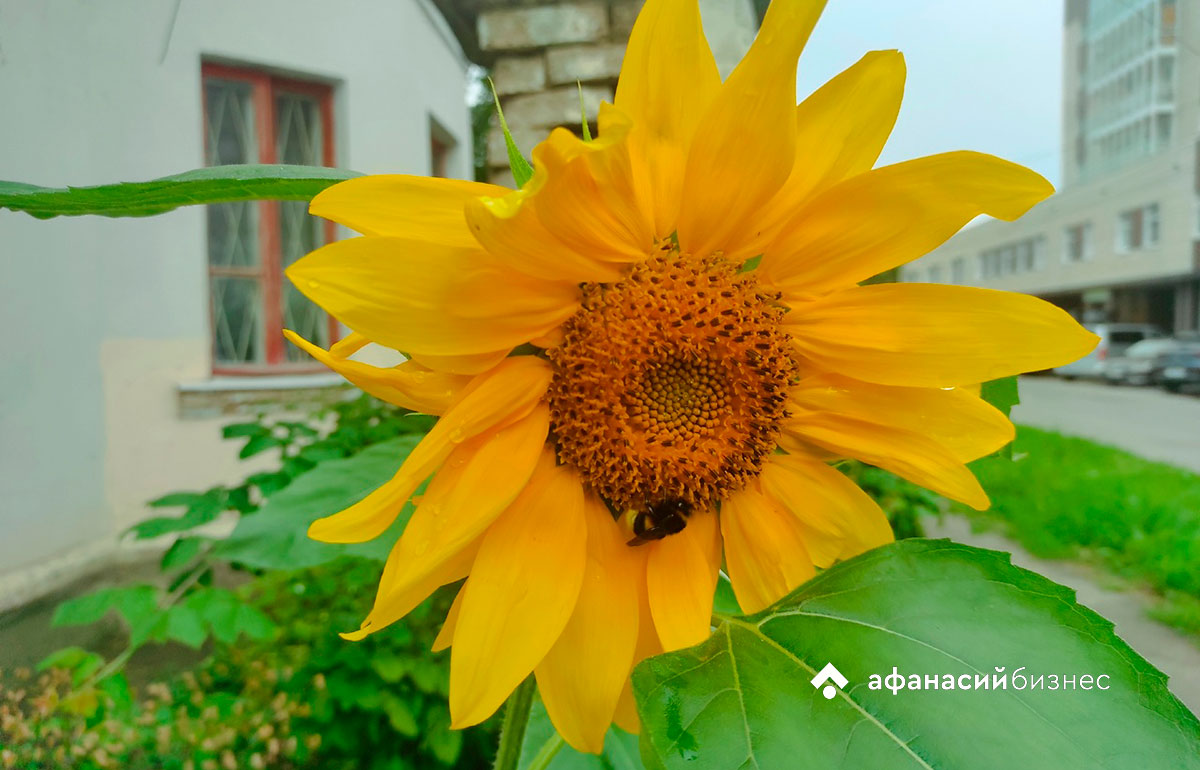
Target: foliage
x=1138, y=517
x=189, y=609
x=302, y=698
x=903, y=502
x=744, y=697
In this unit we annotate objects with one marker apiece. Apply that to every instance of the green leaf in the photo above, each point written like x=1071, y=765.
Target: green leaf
x=245, y=430
x=227, y=617
x=275, y=537
x=74, y=659
x=217, y=184
x=583, y=116
x=521, y=170
x=1002, y=394
x=391, y=668
x=185, y=625
x=174, y=499
x=399, y=714
x=744, y=697
x=258, y=444
x=620, y=748
x=182, y=551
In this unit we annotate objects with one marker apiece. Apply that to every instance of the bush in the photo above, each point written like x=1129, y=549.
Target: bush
x=303, y=699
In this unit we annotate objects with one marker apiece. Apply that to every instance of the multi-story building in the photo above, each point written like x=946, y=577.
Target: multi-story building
x=1121, y=240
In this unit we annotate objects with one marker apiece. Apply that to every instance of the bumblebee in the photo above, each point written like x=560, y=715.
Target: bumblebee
x=657, y=520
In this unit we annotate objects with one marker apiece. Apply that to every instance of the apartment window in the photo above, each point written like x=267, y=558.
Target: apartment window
x=1077, y=243
x=252, y=117
x=1024, y=256
x=935, y=274
x=1150, y=224
x=1138, y=228
x=958, y=270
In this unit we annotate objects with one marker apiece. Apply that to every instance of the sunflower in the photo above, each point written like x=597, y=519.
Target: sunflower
x=646, y=359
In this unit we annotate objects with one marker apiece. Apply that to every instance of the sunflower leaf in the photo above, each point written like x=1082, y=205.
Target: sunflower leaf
x=216, y=184
x=521, y=170
x=1002, y=394
x=916, y=609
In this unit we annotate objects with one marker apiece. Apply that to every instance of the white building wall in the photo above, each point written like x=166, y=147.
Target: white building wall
x=105, y=318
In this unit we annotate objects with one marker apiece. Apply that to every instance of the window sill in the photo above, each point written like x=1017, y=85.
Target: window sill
x=222, y=396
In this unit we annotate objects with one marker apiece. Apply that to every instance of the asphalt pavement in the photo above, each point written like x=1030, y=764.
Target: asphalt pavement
x=1148, y=422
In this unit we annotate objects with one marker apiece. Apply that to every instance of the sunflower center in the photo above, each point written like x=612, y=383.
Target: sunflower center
x=670, y=384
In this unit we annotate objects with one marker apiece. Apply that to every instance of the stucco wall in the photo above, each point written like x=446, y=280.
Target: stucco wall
x=105, y=318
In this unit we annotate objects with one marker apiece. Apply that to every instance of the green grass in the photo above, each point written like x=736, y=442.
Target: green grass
x=1066, y=497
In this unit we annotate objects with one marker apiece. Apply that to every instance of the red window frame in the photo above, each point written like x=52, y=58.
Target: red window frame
x=269, y=271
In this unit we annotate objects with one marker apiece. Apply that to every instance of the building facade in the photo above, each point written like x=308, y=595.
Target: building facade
x=131, y=341
x=1121, y=240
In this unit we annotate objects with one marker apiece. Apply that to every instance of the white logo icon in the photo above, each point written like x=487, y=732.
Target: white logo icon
x=826, y=674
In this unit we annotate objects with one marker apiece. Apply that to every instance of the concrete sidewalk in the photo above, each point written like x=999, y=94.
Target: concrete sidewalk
x=1173, y=653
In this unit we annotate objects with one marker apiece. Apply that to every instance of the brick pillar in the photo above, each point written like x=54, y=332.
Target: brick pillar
x=544, y=49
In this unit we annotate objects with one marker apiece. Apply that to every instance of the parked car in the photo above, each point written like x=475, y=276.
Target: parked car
x=1142, y=362
x=1115, y=339
x=1181, y=368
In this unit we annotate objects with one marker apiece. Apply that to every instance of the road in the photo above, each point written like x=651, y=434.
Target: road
x=1147, y=422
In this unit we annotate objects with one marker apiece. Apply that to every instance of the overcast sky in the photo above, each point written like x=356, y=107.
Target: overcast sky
x=982, y=74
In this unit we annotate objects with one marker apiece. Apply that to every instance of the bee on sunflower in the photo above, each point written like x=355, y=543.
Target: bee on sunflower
x=645, y=360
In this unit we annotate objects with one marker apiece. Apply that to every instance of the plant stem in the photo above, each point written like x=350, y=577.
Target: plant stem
x=512, y=733
x=547, y=752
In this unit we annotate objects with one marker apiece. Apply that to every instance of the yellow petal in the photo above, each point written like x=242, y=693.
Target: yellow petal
x=934, y=336
x=471, y=364
x=840, y=520
x=348, y=345
x=956, y=418
x=668, y=80
x=764, y=549
x=503, y=395
x=840, y=131
x=479, y=480
x=905, y=453
x=582, y=676
x=681, y=576
x=420, y=297
x=523, y=588
x=417, y=207
x=409, y=385
x=892, y=215
x=510, y=228
x=585, y=194
x=734, y=166
x=626, y=716
x=445, y=636
x=400, y=603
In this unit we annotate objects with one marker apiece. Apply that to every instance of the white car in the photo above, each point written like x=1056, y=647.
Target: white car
x=1115, y=339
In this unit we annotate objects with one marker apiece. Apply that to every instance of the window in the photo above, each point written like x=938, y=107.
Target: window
x=1077, y=243
x=1151, y=224
x=958, y=270
x=1138, y=228
x=1024, y=256
x=935, y=274
x=251, y=117
x=441, y=145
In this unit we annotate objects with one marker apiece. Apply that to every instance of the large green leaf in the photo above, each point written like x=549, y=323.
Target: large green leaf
x=217, y=184
x=744, y=697
x=275, y=536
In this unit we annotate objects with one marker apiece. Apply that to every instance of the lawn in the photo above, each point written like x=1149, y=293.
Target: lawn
x=1065, y=497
